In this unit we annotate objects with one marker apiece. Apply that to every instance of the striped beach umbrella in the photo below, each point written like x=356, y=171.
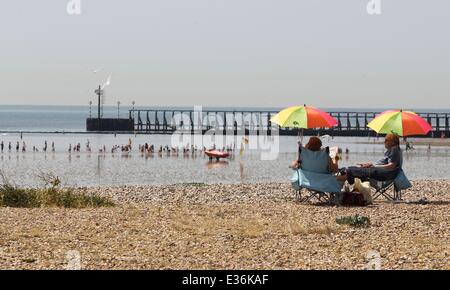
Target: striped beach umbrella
x=304, y=117
x=402, y=123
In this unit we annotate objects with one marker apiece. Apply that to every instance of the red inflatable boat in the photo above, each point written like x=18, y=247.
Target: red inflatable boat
x=216, y=154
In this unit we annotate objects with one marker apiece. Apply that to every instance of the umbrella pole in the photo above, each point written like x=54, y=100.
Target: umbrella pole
x=300, y=135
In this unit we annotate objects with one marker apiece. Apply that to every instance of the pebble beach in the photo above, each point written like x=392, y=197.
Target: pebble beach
x=229, y=226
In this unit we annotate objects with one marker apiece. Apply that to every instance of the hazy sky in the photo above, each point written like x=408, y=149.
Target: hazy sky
x=326, y=53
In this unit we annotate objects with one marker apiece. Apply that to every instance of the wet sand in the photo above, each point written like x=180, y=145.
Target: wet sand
x=240, y=226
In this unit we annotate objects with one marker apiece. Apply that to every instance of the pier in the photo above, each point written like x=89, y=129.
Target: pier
x=237, y=122
x=251, y=122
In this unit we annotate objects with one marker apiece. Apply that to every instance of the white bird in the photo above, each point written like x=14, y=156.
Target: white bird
x=97, y=70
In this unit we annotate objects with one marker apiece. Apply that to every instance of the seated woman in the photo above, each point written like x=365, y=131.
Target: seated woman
x=386, y=168
x=315, y=144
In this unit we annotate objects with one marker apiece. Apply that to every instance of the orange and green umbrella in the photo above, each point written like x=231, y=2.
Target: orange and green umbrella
x=402, y=123
x=304, y=117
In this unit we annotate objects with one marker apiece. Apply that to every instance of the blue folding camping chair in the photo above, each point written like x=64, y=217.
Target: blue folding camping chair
x=383, y=188
x=399, y=183
x=314, y=177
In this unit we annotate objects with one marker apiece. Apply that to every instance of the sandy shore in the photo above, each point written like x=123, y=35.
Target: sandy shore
x=256, y=226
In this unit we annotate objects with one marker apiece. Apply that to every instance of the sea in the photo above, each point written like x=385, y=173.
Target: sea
x=265, y=159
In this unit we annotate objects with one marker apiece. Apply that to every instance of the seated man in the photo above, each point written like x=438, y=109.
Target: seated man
x=385, y=169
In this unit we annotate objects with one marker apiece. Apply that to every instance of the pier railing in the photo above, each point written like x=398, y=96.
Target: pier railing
x=162, y=121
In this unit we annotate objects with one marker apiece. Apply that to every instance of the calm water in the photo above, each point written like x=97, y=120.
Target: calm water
x=93, y=169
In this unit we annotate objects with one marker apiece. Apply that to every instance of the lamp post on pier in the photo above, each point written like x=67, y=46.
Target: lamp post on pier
x=90, y=109
x=99, y=92
x=118, y=109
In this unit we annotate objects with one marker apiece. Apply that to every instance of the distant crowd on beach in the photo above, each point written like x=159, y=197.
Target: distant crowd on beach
x=146, y=148
x=23, y=147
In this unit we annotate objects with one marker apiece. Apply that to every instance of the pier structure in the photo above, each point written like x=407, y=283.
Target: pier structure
x=255, y=122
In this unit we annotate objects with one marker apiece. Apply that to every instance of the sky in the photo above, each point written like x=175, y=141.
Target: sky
x=265, y=53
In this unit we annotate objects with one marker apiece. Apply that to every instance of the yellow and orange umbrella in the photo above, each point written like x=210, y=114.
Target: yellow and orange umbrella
x=402, y=123
x=304, y=117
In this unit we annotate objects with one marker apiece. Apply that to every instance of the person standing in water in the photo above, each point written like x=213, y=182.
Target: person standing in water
x=53, y=146
x=17, y=146
x=2, y=146
x=45, y=146
x=9, y=147
x=88, y=146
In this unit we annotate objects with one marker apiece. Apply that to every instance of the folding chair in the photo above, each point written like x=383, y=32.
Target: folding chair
x=310, y=194
x=383, y=188
x=313, y=179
